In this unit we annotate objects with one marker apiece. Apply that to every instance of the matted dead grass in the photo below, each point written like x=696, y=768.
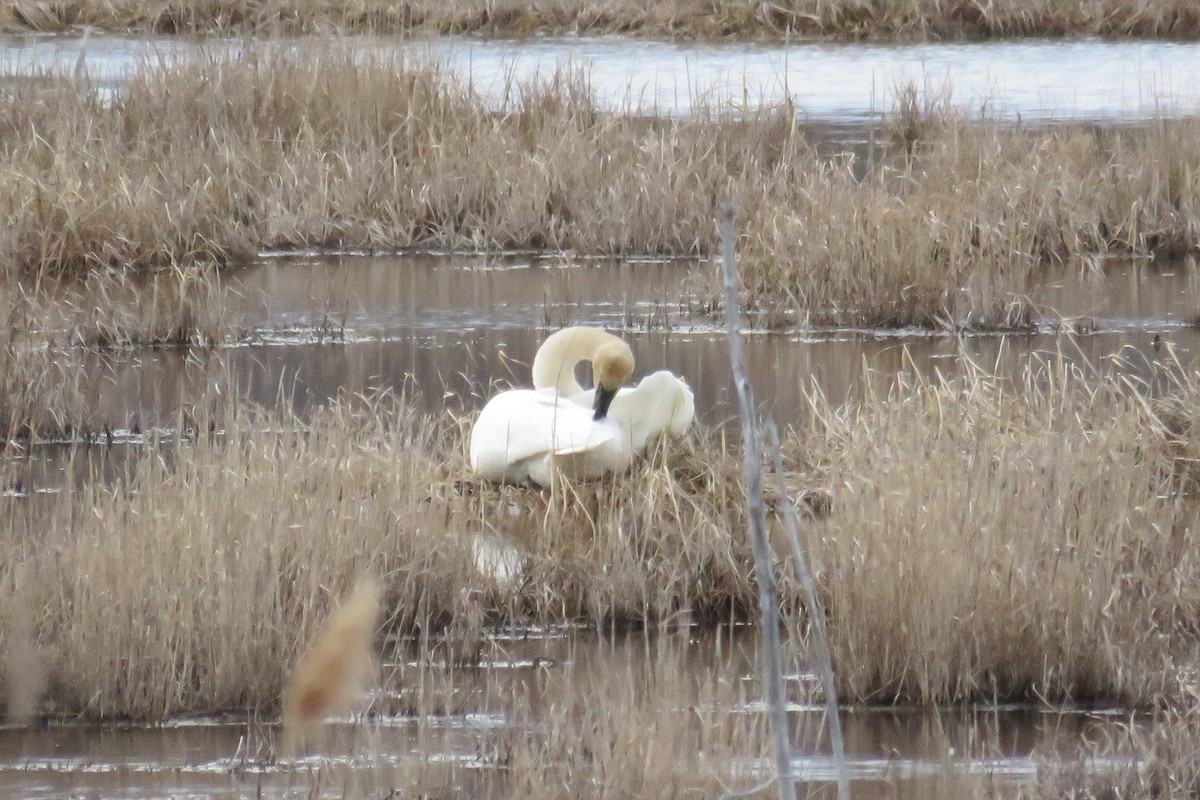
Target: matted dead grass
x=840, y=19
x=210, y=162
x=987, y=540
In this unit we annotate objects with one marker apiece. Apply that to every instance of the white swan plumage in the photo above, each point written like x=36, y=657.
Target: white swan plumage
x=661, y=403
x=526, y=434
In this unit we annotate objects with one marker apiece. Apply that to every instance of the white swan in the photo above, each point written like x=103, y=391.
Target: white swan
x=527, y=434
x=660, y=403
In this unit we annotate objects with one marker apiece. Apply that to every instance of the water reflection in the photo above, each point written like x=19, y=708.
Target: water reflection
x=449, y=329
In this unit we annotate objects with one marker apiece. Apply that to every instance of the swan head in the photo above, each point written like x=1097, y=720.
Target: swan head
x=554, y=364
x=612, y=367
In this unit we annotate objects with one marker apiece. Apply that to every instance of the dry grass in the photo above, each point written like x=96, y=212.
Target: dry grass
x=991, y=540
x=210, y=162
x=986, y=540
x=965, y=220
x=279, y=518
x=842, y=19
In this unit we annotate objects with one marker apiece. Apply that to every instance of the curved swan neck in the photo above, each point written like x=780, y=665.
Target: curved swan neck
x=554, y=364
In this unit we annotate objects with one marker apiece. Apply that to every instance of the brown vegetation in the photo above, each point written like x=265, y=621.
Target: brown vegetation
x=212, y=161
x=985, y=540
x=842, y=19
x=991, y=540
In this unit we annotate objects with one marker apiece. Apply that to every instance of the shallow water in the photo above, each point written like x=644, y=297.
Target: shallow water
x=450, y=327
x=890, y=751
x=309, y=327
x=1034, y=79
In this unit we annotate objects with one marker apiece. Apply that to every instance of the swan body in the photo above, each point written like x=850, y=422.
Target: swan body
x=661, y=403
x=523, y=434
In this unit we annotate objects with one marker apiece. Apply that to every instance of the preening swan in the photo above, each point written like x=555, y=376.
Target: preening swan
x=660, y=403
x=525, y=434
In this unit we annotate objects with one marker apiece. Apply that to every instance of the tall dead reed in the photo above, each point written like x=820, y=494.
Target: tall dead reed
x=212, y=160
x=335, y=669
x=843, y=19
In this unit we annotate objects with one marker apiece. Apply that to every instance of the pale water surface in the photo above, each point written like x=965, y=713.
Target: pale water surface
x=1033, y=79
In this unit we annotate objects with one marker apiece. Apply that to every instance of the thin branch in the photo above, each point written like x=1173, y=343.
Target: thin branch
x=767, y=592
x=816, y=617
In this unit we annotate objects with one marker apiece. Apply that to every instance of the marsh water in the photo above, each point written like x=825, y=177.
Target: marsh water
x=448, y=328
x=1032, y=79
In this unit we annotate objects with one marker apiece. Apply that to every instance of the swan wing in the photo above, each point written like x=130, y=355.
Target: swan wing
x=524, y=424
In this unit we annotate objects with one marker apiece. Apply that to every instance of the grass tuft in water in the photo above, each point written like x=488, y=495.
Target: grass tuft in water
x=986, y=540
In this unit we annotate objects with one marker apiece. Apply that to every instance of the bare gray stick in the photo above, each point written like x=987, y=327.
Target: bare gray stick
x=816, y=616
x=768, y=604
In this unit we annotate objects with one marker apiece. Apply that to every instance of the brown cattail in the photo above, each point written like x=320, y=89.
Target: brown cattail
x=333, y=671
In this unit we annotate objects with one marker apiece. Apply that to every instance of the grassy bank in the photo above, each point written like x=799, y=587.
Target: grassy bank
x=839, y=19
x=986, y=540
x=210, y=162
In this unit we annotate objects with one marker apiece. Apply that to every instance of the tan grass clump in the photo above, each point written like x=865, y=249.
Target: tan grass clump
x=842, y=19
x=964, y=221
x=993, y=540
x=334, y=670
x=213, y=160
